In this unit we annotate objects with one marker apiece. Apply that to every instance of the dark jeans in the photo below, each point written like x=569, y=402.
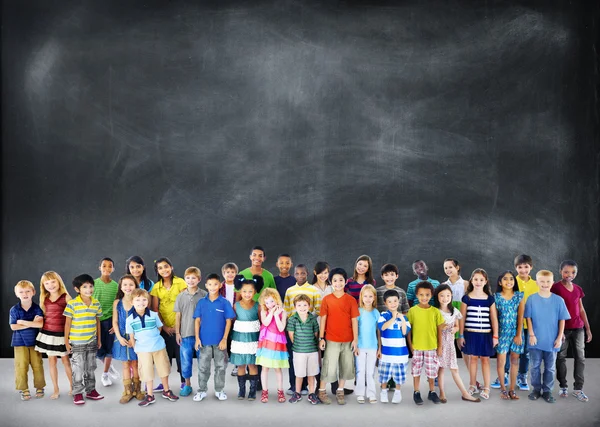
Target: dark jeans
x=523, y=358
x=576, y=337
x=107, y=339
x=173, y=351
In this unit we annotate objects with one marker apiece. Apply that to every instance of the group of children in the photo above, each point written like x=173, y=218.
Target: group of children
x=330, y=331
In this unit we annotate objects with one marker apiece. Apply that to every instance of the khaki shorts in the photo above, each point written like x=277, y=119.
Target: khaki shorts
x=147, y=361
x=338, y=362
x=306, y=364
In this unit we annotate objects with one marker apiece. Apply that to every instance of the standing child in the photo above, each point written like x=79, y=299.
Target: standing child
x=184, y=307
x=212, y=321
x=368, y=345
x=82, y=338
x=576, y=329
x=284, y=280
x=320, y=279
x=227, y=291
x=363, y=275
x=444, y=301
x=546, y=314
x=26, y=319
x=389, y=274
x=272, y=349
x=246, y=329
x=421, y=270
x=143, y=327
x=479, y=329
x=51, y=339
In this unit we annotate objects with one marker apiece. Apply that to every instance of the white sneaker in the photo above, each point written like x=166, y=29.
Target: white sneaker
x=397, y=397
x=114, y=374
x=199, y=396
x=383, y=397
x=221, y=395
x=106, y=380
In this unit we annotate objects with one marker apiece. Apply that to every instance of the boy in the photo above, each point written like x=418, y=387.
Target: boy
x=26, y=319
x=144, y=327
x=389, y=274
x=213, y=317
x=546, y=314
x=105, y=291
x=301, y=287
x=258, y=256
x=227, y=291
x=339, y=323
x=303, y=329
x=82, y=338
x=420, y=269
x=185, y=304
x=573, y=295
x=285, y=280
x=425, y=341
x=394, y=354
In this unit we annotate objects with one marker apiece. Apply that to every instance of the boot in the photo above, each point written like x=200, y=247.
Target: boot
x=241, y=387
x=254, y=380
x=127, y=393
x=137, y=390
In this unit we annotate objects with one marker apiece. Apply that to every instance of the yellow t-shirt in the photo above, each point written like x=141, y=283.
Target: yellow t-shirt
x=529, y=287
x=167, y=299
x=424, y=323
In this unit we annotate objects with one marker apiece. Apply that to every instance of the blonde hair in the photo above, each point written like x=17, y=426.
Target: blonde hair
x=367, y=288
x=50, y=275
x=193, y=270
x=24, y=284
x=269, y=293
x=140, y=293
x=546, y=273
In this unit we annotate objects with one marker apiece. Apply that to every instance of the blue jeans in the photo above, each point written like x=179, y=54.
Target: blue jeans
x=545, y=382
x=523, y=359
x=575, y=337
x=186, y=354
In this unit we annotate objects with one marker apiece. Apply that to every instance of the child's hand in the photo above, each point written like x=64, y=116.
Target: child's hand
x=439, y=351
x=460, y=342
x=20, y=322
x=99, y=344
x=168, y=330
x=322, y=345
x=178, y=339
x=532, y=340
x=68, y=345
x=356, y=352
x=494, y=342
x=558, y=342
x=379, y=354
x=518, y=340
x=198, y=345
x=223, y=344
x=354, y=347
x=588, y=333
x=454, y=329
x=111, y=331
x=123, y=342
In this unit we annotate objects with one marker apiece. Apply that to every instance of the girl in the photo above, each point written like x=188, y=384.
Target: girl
x=272, y=343
x=510, y=307
x=478, y=329
x=444, y=301
x=320, y=279
x=363, y=275
x=165, y=292
x=244, y=340
x=51, y=339
x=368, y=350
x=122, y=349
x=136, y=267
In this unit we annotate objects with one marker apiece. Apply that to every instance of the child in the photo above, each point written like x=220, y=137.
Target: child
x=301, y=287
x=51, y=339
x=105, y=291
x=339, y=322
x=320, y=279
x=425, y=340
x=478, y=329
x=136, y=267
x=363, y=275
x=184, y=307
x=303, y=329
x=246, y=328
x=272, y=348
x=212, y=321
x=389, y=274
x=143, y=327
x=394, y=328
x=165, y=293
x=26, y=319
x=574, y=331
x=82, y=338
x=258, y=256
x=444, y=302
x=546, y=314
x=227, y=291
x=420, y=269
x=510, y=307
x=284, y=280
x=368, y=345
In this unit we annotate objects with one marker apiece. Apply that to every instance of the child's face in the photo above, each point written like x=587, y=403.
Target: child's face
x=424, y=295
x=392, y=303
x=192, y=280
x=86, y=290
x=523, y=270
x=368, y=298
x=284, y=264
x=545, y=282
x=420, y=269
x=213, y=286
x=568, y=273
x=389, y=278
x=106, y=268
x=127, y=286
x=478, y=281
x=270, y=303
x=301, y=275
x=450, y=269
x=445, y=297
x=229, y=275
x=362, y=266
x=338, y=282
x=140, y=303
x=302, y=307
x=507, y=281
x=257, y=257
x=164, y=269
x=136, y=269
x=24, y=294
x=247, y=292
x=51, y=285
x=322, y=276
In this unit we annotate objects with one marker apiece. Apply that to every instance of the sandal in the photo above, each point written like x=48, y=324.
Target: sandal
x=472, y=390
x=264, y=396
x=504, y=395
x=39, y=393
x=513, y=395
x=25, y=395
x=485, y=393
x=280, y=396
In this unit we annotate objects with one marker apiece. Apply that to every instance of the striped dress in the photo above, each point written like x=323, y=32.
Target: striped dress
x=478, y=327
x=244, y=339
x=272, y=348
x=51, y=339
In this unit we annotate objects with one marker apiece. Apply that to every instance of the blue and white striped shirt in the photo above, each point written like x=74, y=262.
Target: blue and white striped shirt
x=393, y=341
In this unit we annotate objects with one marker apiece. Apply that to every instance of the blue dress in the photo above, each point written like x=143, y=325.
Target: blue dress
x=478, y=327
x=119, y=351
x=508, y=311
x=244, y=340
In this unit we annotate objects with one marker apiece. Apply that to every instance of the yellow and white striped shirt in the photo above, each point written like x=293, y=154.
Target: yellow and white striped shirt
x=307, y=289
x=83, y=325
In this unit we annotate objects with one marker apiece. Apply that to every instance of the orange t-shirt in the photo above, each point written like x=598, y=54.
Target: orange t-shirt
x=339, y=312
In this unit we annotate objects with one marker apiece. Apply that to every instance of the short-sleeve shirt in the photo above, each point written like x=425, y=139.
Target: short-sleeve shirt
x=528, y=288
x=213, y=317
x=393, y=341
x=24, y=337
x=571, y=299
x=105, y=293
x=167, y=299
x=83, y=324
x=305, y=340
x=145, y=329
x=545, y=313
x=411, y=290
x=457, y=288
x=424, y=323
x=340, y=312
x=185, y=303
x=353, y=287
x=367, y=329
x=403, y=307
x=268, y=280
x=283, y=284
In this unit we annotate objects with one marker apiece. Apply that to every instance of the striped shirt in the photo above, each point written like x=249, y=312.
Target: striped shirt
x=145, y=331
x=83, y=324
x=105, y=293
x=307, y=289
x=402, y=299
x=478, y=314
x=305, y=340
x=353, y=287
x=393, y=341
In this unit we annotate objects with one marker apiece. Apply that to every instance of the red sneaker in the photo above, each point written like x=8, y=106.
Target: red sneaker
x=94, y=395
x=78, y=399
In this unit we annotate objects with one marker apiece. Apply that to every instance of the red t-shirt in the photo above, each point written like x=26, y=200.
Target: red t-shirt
x=339, y=312
x=572, y=299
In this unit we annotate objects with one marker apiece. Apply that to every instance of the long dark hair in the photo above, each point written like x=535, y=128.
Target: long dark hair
x=320, y=267
x=499, y=281
x=138, y=260
x=120, y=293
x=487, y=289
x=368, y=274
x=168, y=261
x=436, y=301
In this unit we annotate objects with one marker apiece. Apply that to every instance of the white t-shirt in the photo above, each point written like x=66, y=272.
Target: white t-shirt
x=230, y=294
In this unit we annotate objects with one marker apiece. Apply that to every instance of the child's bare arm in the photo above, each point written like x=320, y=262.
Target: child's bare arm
x=131, y=340
x=68, y=322
x=494, y=319
x=197, y=322
x=532, y=338
x=178, y=327
x=98, y=333
x=583, y=314
x=559, y=337
x=322, y=332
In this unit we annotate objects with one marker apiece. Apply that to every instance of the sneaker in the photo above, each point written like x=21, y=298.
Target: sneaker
x=159, y=388
x=340, y=397
x=323, y=398
x=168, y=394
x=296, y=397
x=548, y=397
x=433, y=397
x=564, y=392
x=580, y=395
x=290, y=391
x=383, y=397
x=534, y=395
x=198, y=397
x=234, y=371
x=106, y=380
x=186, y=391
x=94, y=395
x=496, y=383
x=220, y=395
x=313, y=399
x=148, y=400
x=522, y=382
x=397, y=398
x=360, y=399
x=304, y=392
x=114, y=374
x=78, y=399
x=417, y=398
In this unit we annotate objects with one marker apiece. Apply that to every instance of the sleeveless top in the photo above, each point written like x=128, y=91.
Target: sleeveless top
x=54, y=321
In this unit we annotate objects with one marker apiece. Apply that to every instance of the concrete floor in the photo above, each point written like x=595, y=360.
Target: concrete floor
x=456, y=413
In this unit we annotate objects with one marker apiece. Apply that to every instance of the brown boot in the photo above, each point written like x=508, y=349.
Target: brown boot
x=325, y=400
x=127, y=393
x=137, y=390
x=339, y=396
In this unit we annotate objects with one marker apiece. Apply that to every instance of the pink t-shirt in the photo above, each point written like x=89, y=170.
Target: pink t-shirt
x=572, y=299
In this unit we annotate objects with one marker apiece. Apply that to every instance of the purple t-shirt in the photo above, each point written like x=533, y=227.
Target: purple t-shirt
x=572, y=299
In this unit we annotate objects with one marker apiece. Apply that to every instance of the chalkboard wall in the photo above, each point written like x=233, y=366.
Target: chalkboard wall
x=196, y=130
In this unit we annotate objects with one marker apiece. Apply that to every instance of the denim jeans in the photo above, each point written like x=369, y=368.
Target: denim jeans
x=523, y=359
x=545, y=382
x=576, y=337
x=186, y=354
x=83, y=363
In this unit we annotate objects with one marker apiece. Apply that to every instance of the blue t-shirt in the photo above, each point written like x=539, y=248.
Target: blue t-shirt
x=213, y=319
x=145, y=330
x=367, y=329
x=393, y=341
x=545, y=313
x=24, y=337
x=283, y=284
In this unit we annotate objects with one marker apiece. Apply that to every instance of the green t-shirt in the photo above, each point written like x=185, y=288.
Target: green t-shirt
x=106, y=294
x=269, y=280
